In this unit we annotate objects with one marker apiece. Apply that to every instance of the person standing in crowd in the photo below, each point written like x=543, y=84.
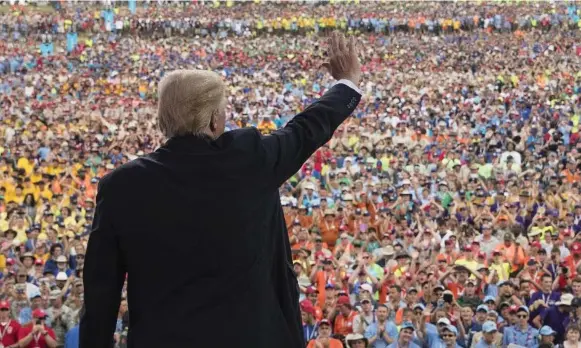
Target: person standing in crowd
x=8, y=327
x=194, y=124
x=521, y=333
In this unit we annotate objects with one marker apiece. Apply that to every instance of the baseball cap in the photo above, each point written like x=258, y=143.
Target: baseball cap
x=488, y=299
x=324, y=322
x=407, y=325
x=488, y=327
x=483, y=308
x=504, y=282
x=546, y=331
x=366, y=287
x=444, y=321
x=452, y=329
x=306, y=306
x=419, y=306
x=523, y=309
x=576, y=248
x=343, y=300
x=38, y=314
x=4, y=305
x=311, y=290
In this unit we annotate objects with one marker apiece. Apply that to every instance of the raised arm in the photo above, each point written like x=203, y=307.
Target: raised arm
x=288, y=148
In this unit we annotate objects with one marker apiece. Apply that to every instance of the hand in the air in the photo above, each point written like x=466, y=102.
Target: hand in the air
x=343, y=58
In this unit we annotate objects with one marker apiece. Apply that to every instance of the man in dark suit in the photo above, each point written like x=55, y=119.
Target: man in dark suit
x=208, y=202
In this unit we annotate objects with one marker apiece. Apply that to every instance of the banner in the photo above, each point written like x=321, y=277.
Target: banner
x=72, y=40
x=132, y=6
x=46, y=49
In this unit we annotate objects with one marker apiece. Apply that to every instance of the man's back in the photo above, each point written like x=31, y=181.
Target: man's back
x=191, y=221
x=197, y=225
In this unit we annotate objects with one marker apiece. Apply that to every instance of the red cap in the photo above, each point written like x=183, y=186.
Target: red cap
x=513, y=308
x=536, y=245
x=307, y=307
x=38, y=262
x=408, y=275
x=468, y=248
x=38, y=313
x=333, y=160
x=482, y=255
x=343, y=300
x=311, y=290
x=4, y=305
x=324, y=322
x=441, y=257
x=10, y=261
x=576, y=248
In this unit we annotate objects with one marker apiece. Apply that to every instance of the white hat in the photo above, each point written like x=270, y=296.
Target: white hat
x=444, y=321
x=366, y=287
x=61, y=276
x=565, y=300
x=61, y=258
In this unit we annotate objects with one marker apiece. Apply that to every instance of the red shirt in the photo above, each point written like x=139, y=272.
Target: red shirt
x=37, y=340
x=9, y=333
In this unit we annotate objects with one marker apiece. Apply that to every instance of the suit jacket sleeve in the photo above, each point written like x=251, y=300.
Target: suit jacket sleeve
x=288, y=148
x=104, y=274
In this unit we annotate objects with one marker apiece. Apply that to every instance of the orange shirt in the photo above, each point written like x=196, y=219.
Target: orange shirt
x=344, y=325
x=329, y=232
x=333, y=343
x=509, y=255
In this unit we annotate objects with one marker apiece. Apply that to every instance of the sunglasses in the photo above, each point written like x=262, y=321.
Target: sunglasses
x=418, y=312
x=448, y=336
x=522, y=316
x=365, y=257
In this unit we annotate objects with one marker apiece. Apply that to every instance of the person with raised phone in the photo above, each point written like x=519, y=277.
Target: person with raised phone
x=217, y=193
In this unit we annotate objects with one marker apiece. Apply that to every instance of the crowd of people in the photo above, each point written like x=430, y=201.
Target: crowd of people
x=446, y=212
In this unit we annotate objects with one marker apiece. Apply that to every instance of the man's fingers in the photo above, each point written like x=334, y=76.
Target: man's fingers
x=337, y=43
x=341, y=41
x=352, y=46
x=331, y=46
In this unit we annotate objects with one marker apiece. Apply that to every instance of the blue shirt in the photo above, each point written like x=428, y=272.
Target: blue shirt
x=391, y=330
x=556, y=320
x=410, y=345
x=72, y=338
x=528, y=338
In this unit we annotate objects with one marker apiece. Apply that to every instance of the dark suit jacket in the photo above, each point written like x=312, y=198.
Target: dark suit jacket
x=198, y=227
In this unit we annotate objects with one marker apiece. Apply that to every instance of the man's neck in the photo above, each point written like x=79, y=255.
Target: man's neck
x=523, y=327
x=4, y=320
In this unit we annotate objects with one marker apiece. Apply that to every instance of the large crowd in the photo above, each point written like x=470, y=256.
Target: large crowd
x=446, y=212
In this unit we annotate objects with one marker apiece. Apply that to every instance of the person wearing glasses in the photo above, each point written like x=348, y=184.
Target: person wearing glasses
x=448, y=336
x=521, y=333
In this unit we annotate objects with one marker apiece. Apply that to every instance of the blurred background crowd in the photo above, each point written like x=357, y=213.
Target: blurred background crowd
x=446, y=212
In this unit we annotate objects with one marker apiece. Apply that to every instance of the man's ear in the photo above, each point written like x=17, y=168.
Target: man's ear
x=213, y=121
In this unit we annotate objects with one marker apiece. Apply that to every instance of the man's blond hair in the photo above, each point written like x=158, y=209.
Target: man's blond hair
x=187, y=100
